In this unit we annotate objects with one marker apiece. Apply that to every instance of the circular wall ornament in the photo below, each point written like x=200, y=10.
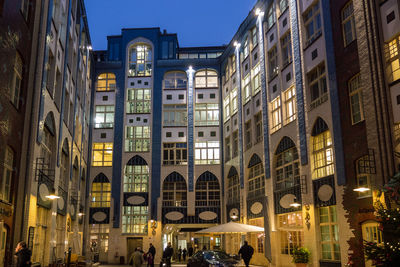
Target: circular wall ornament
x=43, y=192
x=174, y=216
x=72, y=210
x=256, y=208
x=99, y=216
x=135, y=200
x=208, y=215
x=325, y=192
x=286, y=200
x=233, y=212
x=60, y=203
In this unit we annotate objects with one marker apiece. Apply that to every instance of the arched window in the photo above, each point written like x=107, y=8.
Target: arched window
x=256, y=180
x=101, y=192
x=233, y=186
x=286, y=165
x=64, y=166
x=175, y=80
x=174, y=191
x=48, y=141
x=106, y=82
x=206, y=79
x=207, y=190
x=140, y=60
x=322, y=151
x=136, y=178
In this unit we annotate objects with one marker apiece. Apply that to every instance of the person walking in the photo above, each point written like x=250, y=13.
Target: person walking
x=179, y=253
x=137, y=257
x=190, y=251
x=167, y=255
x=184, y=252
x=151, y=254
x=246, y=251
x=23, y=255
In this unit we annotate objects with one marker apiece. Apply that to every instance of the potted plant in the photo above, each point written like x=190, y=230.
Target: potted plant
x=301, y=256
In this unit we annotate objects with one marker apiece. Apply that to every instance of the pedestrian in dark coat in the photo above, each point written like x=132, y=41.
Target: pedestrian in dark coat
x=184, y=252
x=151, y=253
x=246, y=252
x=23, y=255
x=190, y=251
x=179, y=253
x=167, y=255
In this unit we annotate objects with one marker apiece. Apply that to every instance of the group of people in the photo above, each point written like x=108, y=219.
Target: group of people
x=138, y=257
x=181, y=253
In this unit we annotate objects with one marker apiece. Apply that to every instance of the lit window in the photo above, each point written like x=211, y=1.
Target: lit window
x=312, y=23
x=226, y=108
x=322, y=155
x=317, y=85
x=206, y=114
x=139, y=101
x=136, y=178
x=8, y=166
x=174, y=153
x=271, y=18
x=175, y=115
x=137, y=139
x=102, y=154
x=290, y=220
x=106, y=82
x=286, y=45
x=234, y=101
x=135, y=219
x=246, y=88
x=15, y=86
x=364, y=168
x=206, y=79
x=291, y=240
x=254, y=36
x=104, y=117
x=272, y=63
x=371, y=232
x=174, y=191
x=348, y=24
x=329, y=228
x=232, y=68
x=255, y=74
x=356, y=99
x=290, y=105
x=101, y=192
x=207, y=191
x=246, y=48
x=207, y=152
x=393, y=59
x=99, y=235
x=175, y=80
x=140, y=60
x=256, y=181
x=276, y=114
x=287, y=169
x=259, y=129
x=283, y=4
x=233, y=188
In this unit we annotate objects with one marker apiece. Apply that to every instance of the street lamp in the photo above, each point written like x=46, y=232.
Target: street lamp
x=295, y=204
x=361, y=189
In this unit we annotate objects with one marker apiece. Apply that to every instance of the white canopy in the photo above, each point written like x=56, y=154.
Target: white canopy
x=232, y=227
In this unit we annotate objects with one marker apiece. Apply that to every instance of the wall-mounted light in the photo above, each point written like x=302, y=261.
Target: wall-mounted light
x=234, y=217
x=295, y=204
x=52, y=197
x=236, y=44
x=259, y=12
x=153, y=226
x=361, y=189
x=80, y=214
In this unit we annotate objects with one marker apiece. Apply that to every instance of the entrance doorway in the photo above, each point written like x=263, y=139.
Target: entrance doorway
x=132, y=244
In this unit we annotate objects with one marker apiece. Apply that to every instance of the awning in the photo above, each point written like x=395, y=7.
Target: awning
x=232, y=227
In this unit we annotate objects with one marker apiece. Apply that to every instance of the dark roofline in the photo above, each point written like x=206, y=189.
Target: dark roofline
x=221, y=47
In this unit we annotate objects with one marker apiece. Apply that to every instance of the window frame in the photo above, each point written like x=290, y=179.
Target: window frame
x=207, y=152
x=348, y=18
x=312, y=16
x=330, y=224
x=105, y=148
x=206, y=74
x=109, y=86
x=290, y=105
x=144, y=58
x=133, y=103
x=276, y=114
x=104, y=193
x=273, y=63
x=16, y=82
x=320, y=149
x=8, y=174
x=180, y=147
x=355, y=90
x=256, y=181
x=392, y=56
x=135, y=220
x=136, y=179
x=104, y=124
x=132, y=139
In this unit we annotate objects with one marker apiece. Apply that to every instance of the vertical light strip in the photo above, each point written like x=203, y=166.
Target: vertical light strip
x=190, y=129
x=299, y=82
x=239, y=81
x=264, y=94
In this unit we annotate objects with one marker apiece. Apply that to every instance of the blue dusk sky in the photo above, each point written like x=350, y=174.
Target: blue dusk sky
x=197, y=22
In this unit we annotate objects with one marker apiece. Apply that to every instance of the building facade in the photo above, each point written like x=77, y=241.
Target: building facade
x=54, y=137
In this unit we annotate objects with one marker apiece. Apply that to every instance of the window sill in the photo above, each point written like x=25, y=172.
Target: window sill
x=311, y=41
